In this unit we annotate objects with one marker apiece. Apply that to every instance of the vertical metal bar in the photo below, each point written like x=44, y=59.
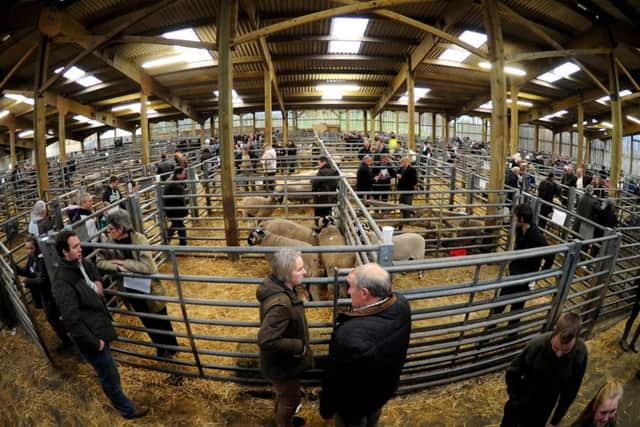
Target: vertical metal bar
x=183, y=308
x=135, y=213
x=452, y=185
x=563, y=284
x=193, y=190
x=610, y=249
x=162, y=221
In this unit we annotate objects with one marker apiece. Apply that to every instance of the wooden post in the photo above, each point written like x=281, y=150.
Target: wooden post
x=348, y=120
x=99, y=143
x=285, y=126
x=553, y=144
x=453, y=128
x=268, y=131
x=144, y=129
x=446, y=130
x=411, y=111
x=484, y=130
x=587, y=154
x=515, y=137
x=373, y=125
x=616, y=121
x=63, y=109
x=419, y=125
x=536, y=138
x=40, y=119
x=493, y=27
x=215, y=131
x=241, y=124
x=227, y=19
x=254, y=120
x=193, y=128
x=202, y=138
x=11, y=123
x=364, y=122
x=433, y=128
x=571, y=143
x=580, y=160
x=397, y=115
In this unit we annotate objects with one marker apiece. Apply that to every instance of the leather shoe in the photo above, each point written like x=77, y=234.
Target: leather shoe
x=140, y=412
x=297, y=421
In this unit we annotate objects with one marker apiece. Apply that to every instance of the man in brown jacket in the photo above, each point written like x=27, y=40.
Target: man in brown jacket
x=283, y=337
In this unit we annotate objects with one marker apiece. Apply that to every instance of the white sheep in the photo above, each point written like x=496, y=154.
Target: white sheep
x=259, y=207
x=299, y=186
x=406, y=246
x=291, y=229
x=330, y=235
x=262, y=237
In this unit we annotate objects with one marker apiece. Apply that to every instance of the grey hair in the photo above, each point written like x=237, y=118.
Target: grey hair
x=365, y=158
x=83, y=197
x=610, y=203
x=374, y=278
x=283, y=263
x=120, y=219
x=39, y=210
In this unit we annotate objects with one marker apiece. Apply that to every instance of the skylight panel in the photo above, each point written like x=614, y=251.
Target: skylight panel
x=73, y=73
x=548, y=117
x=603, y=100
x=549, y=77
x=455, y=55
x=89, y=81
x=184, y=34
x=404, y=99
x=473, y=38
x=458, y=54
x=566, y=69
x=4, y=113
x=421, y=92
x=332, y=97
x=344, y=46
x=607, y=125
x=167, y=60
x=25, y=134
x=335, y=91
x=183, y=54
x=347, y=28
x=515, y=71
x=633, y=119
x=19, y=98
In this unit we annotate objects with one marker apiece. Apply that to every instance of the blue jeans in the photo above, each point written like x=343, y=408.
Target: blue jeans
x=177, y=224
x=105, y=366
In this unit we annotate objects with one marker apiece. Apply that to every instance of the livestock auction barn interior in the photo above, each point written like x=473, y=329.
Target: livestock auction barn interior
x=466, y=91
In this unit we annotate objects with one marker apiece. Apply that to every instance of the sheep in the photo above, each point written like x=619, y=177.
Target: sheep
x=291, y=229
x=330, y=235
x=260, y=207
x=406, y=246
x=262, y=237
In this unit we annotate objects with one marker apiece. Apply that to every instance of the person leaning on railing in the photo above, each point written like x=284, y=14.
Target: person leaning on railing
x=120, y=231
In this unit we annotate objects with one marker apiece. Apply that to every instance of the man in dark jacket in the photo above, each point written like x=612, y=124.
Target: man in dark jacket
x=407, y=181
x=528, y=236
x=367, y=351
x=164, y=166
x=364, y=179
x=547, y=190
x=587, y=207
x=283, y=337
x=78, y=291
x=547, y=374
x=324, y=186
x=112, y=193
x=174, y=203
x=382, y=175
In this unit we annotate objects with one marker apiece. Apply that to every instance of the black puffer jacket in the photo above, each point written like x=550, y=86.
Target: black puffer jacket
x=83, y=311
x=366, y=355
x=283, y=337
x=174, y=199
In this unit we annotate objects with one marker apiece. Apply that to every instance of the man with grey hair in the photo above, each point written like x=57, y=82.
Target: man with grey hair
x=283, y=337
x=367, y=351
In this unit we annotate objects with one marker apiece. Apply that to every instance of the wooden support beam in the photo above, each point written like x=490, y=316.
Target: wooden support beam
x=285, y=127
x=616, y=121
x=40, y=119
x=318, y=16
x=514, y=137
x=364, y=122
x=63, y=109
x=559, y=53
x=106, y=117
x=12, y=139
x=580, y=108
x=536, y=138
x=268, y=113
x=144, y=129
x=17, y=65
x=373, y=125
x=202, y=134
x=493, y=28
x=411, y=109
x=227, y=17
x=624, y=70
x=166, y=42
x=433, y=128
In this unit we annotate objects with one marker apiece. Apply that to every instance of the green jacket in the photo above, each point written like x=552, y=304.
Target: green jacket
x=283, y=337
x=141, y=263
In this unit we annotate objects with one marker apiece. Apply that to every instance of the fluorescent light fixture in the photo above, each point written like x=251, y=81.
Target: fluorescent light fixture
x=134, y=107
x=81, y=118
x=49, y=132
x=458, y=54
x=404, y=99
x=521, y=102
x=344, y=46
x=515, y=71
x=603, y=100
x=420, y=92
x=630, y=118
x=235, y=98
x=594, y=120
x=566, y=69
x=89, y=81
x=486, y=106
x=167, y=60
x=607, y=125
x=25, y=134
x=19, y=98
x=335, y=91
x=332, y=97
x=5, y=113
x=549, y=77
x=548, y=117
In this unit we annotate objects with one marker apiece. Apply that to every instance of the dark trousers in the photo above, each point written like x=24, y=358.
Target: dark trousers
x=515, y=306
x=406, y=199
x=36, y=295
x=7, y=311
x=630, y=321
x=287, y=400
x=105, y=366
x=269, y=183
x=370, y=420
x=177, y=224
x=140, y=305
x=516, y=416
